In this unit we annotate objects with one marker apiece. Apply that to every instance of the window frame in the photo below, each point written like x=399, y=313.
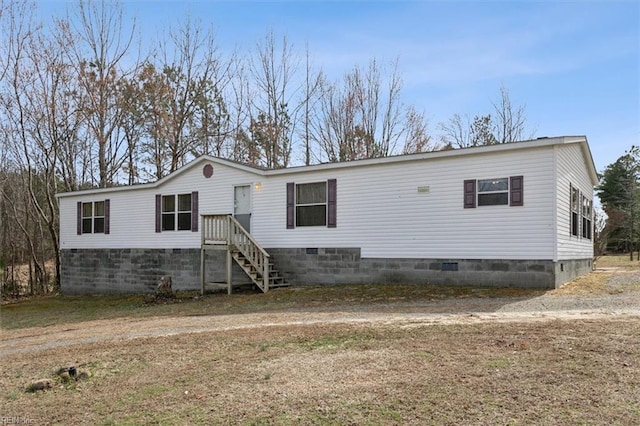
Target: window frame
x=493, y=181
x=473, y=196
x=305, y=206
x=331, y=210
x=173, y=215
x=574, y=211
x=586, y=214
x=160, y=212
x=89, y=221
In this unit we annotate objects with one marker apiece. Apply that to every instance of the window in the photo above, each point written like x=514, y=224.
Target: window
x=176, y=209
x=177, y=212
x=311, y=204
x=575, y=211
x=494, y=192
x=587, y=207
x=93, y=217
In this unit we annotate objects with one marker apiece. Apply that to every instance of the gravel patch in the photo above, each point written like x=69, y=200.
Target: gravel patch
x=550, y=302
x=625, y=281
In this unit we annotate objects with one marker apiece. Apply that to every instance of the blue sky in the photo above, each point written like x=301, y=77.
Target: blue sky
x=573, y=65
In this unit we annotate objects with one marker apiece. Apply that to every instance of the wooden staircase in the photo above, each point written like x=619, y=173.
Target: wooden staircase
x=257, y=276
x=224, y=231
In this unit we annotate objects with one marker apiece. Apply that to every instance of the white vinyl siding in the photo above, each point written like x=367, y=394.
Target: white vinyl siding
x=571, y=173
x=380, y=209
x=409, y=207
x=133, y=211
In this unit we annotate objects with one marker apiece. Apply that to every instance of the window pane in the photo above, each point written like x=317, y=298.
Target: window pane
x=168, y=203
x=184, y=202
x=168, y=222
x=574, y=199
x=87, y=210
x=86, y=226
x=311, y=193
x=585, y=207
x=490, y=185
x=311, y=215
x=493, y=199
x=98, y=225
x=184, y=221
x=98, y=208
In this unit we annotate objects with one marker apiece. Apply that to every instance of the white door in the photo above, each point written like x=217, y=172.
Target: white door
x=242, y=205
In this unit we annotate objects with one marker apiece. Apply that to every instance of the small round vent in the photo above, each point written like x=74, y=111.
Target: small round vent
x=207, y=171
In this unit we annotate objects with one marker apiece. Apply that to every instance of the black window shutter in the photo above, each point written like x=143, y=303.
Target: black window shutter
x=79, y=222
x=158, y=212
x=331, y=203
x=580, y=198
x=194, y=211
x=578, y=214
x=291, y=205
x=107, y=215
x=570, y=209
x=470, y=194
x=516, y=188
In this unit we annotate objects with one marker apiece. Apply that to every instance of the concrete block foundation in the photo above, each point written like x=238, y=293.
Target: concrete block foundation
x=112, y=271
x=103, y=271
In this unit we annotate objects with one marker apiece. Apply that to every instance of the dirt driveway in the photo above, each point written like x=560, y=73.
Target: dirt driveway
x=622, y=300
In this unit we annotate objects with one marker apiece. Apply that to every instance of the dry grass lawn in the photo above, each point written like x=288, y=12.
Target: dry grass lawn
x=580, y=372
x=552, y=372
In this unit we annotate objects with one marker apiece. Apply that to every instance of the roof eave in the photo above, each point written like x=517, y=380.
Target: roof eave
x=169, y=177
x=486, y=149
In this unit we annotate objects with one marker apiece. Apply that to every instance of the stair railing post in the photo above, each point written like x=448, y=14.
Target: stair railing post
x=229, y=265
x=203, y=234
x=265, y=272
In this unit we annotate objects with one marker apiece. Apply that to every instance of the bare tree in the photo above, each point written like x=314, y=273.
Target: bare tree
x=36, y=117
x=98, y=42
x=240, y=147
x=391, y=126
x=332, y=123
x=417, y=137
x=455, y=132
x=274, y=118
x=312, y=85
x=509, y=122
x=362, y=117
x=8, y=33
x=601, y=231
x=184, y=89
x=132, y=98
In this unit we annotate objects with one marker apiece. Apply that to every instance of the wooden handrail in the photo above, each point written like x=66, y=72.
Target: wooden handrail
x=247, y=235
x=215, y=229
x=224, y=229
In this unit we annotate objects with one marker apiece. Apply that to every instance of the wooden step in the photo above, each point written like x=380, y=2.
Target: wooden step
x=274, y=279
